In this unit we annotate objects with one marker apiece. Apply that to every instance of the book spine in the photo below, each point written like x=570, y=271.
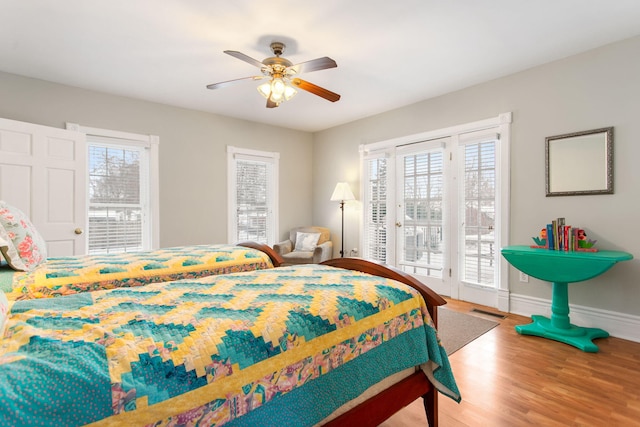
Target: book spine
x=550, y=243
x=572, y=240
x=560, y=234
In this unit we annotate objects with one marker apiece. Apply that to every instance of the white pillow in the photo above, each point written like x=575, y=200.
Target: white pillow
x=306, y=242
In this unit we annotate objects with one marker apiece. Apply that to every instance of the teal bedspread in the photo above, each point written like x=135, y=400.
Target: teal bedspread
x=83, y=273
x=283, y=346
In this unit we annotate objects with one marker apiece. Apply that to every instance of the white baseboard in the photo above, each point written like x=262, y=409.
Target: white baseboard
x=503, y=300
x=619, y=325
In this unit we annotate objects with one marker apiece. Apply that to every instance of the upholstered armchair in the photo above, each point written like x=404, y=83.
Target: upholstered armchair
x=306, y=245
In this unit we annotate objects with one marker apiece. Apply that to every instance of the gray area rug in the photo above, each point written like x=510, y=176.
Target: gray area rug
x=457, y=329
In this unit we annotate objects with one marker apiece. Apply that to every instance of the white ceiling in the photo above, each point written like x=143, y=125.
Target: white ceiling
x=389, y=53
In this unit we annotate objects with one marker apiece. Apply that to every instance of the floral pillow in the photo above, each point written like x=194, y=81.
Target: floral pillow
x=25, y=248
x=306, y=242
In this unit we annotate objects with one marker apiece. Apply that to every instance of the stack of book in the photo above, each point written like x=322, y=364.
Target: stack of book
x=558, y=236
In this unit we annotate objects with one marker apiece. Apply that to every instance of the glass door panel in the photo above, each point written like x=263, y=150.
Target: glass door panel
x=420, y=233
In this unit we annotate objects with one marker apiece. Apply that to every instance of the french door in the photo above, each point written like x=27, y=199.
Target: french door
x=422, y=232
x=436, y=209
x=477, y=219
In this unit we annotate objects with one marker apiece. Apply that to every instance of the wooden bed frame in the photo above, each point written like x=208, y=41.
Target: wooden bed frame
x=380, y=407
x=276, y=259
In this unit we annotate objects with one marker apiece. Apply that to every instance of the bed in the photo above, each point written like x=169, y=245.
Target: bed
x=27, y=273
x=282, y=346
x=69, y=275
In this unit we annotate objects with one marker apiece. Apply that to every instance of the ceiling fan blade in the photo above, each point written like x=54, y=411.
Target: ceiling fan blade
x=314, y=65
x=271, y=104
x=241, y=56
x=316, y=90
x=230, y=82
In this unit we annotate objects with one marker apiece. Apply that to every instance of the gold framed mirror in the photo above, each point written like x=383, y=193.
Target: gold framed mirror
x=579, y=163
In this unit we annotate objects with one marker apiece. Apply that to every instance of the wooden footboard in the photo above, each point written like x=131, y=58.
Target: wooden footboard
x=380, y=407
x=276, y=259
x=383, y=405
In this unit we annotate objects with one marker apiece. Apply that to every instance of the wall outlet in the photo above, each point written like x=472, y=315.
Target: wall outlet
x=524, y=277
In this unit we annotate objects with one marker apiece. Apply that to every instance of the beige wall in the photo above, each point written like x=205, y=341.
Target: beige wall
x=596, y=89
x=193, y=172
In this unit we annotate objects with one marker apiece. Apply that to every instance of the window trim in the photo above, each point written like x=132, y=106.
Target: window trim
x=272, y=157
x=151, y=142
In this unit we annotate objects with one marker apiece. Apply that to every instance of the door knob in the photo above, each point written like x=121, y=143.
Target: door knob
x=398, y=224
x=78, y=230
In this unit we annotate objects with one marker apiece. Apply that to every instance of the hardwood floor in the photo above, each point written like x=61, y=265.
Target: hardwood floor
x=507, y=379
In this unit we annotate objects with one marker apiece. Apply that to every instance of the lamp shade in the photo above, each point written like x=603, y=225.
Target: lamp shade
x=342, y=192
x=265, y=90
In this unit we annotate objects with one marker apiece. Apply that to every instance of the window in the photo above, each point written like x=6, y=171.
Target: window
x=117, y=197
x=478, y=200
x=422, y=197
x=376, y=209
x=253, y=196
x=122, y=190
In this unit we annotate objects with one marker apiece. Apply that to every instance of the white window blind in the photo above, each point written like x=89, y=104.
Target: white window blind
x=253, y=195
x=422, y=218
x=479, y=216
x=118, y=197
x=376, y=209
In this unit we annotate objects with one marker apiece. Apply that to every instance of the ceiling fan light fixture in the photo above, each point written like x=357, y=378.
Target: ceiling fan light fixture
x=265, y=89
x=277, y=89
x=289, y=92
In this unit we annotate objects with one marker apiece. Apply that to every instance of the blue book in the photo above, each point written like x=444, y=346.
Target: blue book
x=550, y=242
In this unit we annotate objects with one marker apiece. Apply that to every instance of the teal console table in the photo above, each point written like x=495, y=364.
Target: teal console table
x=561, y=268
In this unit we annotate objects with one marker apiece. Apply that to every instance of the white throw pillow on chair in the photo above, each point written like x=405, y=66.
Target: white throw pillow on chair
x=306, y=242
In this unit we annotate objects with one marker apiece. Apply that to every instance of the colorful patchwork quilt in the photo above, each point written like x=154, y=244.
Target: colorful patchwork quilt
x=283, y=346
x=70, y=275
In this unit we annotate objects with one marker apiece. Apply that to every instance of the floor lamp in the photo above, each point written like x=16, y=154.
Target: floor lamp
x=342, y=193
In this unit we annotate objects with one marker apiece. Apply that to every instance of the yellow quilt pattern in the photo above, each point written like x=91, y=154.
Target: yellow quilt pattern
x=283, y=346
x=70, y=275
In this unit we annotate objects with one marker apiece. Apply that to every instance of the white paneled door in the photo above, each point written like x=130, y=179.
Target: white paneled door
x=43, y=173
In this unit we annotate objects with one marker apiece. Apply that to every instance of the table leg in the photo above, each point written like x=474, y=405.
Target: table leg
x=559, y=327
x=560, y=305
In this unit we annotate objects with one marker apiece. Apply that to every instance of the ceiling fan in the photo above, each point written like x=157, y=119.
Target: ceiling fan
x=282, y=74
